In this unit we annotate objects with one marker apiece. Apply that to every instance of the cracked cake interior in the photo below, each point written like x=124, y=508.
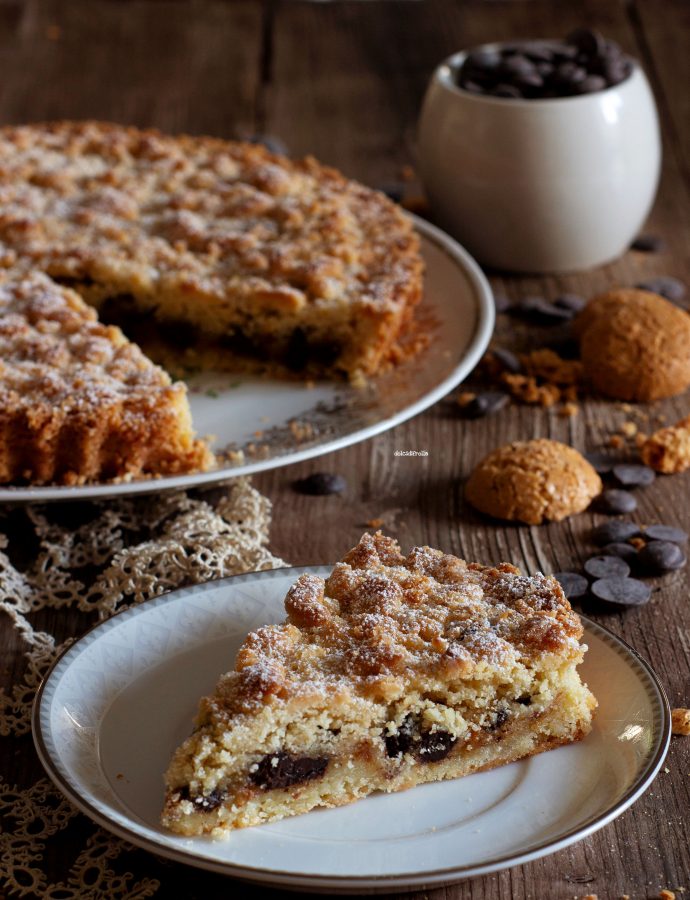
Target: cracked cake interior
x=211, y=252
x=395, y=670
x=78, y=401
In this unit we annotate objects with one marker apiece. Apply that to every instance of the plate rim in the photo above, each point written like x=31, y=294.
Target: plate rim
x=486, y=316
x=352, y=882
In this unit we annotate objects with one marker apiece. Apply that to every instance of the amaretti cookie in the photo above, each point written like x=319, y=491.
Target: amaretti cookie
x=394, y=671
x=533, y=482
x=635, y=345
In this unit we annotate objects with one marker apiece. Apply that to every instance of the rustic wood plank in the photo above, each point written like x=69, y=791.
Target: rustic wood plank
x=175, y=65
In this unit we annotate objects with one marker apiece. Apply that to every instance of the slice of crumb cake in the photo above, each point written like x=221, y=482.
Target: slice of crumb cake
x=78, y=401
x=392, y=672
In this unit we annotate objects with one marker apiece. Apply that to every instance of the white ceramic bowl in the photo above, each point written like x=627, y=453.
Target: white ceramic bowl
x=548, y=185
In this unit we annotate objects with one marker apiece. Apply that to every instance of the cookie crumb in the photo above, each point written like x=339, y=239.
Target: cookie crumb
x=680, y=721
x=665, y=894
x=616, y=441
x=374, y=523
x=568, y=410
x=668, y=450
x=465, y=397
x=629, y=429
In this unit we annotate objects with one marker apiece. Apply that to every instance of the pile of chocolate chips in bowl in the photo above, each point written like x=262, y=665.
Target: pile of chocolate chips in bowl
x=583, y=63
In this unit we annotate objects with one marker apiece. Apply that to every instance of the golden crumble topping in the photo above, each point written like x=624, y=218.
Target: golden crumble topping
x=219, y=235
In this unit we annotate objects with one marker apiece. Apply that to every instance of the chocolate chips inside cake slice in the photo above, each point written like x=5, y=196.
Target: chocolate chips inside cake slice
x=394, y=671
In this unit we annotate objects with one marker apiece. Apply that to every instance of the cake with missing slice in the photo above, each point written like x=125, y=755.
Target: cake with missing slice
x=213, y=253
x=395, y=670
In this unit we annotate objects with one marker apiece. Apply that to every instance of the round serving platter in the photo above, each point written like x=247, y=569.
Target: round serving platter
x=120, y=699
x=274, y=423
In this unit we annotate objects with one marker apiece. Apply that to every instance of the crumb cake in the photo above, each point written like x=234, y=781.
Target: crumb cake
x=78, y=401
x=394, y=671
x=219, y=250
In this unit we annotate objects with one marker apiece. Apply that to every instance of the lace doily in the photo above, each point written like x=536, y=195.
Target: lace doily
x=92, y=560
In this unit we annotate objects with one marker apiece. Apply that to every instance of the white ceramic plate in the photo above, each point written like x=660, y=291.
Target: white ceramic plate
x=116, y=704
x=457, y=305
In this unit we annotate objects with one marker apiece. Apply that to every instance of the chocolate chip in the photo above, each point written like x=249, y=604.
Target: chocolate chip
x=508, y=91
x=203, y=802
x=484, y=59
x=402, y=740
x=272, y=143
x=524, y=700
x=573, y=585
x=507, y=359
x=434, y=745
x=587, y=41
x=666, y=533
x=623, y=550
x=602, y=463
x=622, y=591
x=591, y=84
x=658, y=557
x=633, y=475
x=394, y=192
x=648, y=243
x=573, y=302
x=517, y=64
x=484, y=404
x=542, y=310
x=500, y=718
x=613, y=532
x=281, y=770
x=614, y=502
x=672, y=289
x=606, y=567
x=319, y=484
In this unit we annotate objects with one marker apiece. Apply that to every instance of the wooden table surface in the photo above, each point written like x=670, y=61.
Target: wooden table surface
x=343, y=81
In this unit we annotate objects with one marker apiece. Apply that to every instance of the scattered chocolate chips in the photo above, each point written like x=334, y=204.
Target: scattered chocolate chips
x=648, y=243
x=583, y=63
x=602, y=463
x=281, y=770
x=666, y=533
x=606, y=567
x=614, y=532
x=573, y=585
x=623, y=550
x=622, y=591
x=615, y=502
x=320, y=484
x=630, y=475
x=672, y=289
x=484, y=404
x=658, y=557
